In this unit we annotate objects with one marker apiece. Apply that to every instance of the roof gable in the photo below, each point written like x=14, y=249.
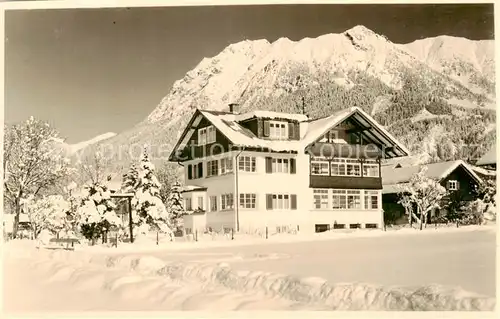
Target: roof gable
x=311, y=130
x=373, y=131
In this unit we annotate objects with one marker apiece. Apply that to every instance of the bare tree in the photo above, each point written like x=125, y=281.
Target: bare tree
x=32, y=162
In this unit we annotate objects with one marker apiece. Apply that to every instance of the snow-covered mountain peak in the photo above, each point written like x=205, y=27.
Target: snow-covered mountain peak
x=247, y=71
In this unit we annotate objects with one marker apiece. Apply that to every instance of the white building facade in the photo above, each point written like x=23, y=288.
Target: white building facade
x=295, y=177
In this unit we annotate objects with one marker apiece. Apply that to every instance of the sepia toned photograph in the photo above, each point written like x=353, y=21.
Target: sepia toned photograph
x=221, y=158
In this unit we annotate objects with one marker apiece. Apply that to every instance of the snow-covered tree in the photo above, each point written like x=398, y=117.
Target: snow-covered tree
x=96, y=213
x=130, y=179
x=92, y=168
x=33, y=162
x=47, y=212
x=426, y=193
x=175, y=207
x=149, y=208
x=167, y=176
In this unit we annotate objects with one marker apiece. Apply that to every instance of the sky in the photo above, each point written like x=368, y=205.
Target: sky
x=92, y=71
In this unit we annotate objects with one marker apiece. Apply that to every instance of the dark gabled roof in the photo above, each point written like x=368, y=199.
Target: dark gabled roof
x=392, y=175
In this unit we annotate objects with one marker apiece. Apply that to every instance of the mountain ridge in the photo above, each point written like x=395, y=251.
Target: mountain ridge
x=393, y=82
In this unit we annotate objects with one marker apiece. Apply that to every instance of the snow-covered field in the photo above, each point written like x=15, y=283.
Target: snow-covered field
x=447, y=269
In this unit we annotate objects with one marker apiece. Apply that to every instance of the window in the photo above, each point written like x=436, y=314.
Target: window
x=212, y=168
x=213, y=203
x=452, y=185
x=246, y=164
x=320, y=198
x=371, y=225
x=354, y=226
x=226, y=165
x=247, y=200
x=278, y=130
x=210, y=134
x=202, y=136
x=226, y=201
x=196, y=170
x=319, y=228
x=281, y=201
x=346, y=167
x=353, y=168
x=206, y=135
x=200, y=203
x=188, y=231
x=370, y=169
x=319, y=168
x=280, y=165
x=339, y=199
x=354, y=199
x=187, y=204
x=371, y=200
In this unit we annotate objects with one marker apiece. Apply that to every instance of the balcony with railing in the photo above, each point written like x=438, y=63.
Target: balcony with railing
x=345, y=173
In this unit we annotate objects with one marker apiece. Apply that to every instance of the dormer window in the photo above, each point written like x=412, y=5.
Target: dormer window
x=206, y=135
x=278, y=130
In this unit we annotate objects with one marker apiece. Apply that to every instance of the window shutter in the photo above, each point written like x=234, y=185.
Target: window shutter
x=447, y=184
x=291, y=131
x=190, y=171
x=269, y=201
x=297, y=131
x=200, y=170
x=269, y=165
x=293, y=169
x=293, y=203
x=266, y=128
x=458, y=185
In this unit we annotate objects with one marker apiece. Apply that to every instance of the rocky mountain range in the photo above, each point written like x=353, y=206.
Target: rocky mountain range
x=437, y=95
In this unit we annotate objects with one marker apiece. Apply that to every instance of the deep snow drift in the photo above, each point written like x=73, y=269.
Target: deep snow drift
x=145, y=282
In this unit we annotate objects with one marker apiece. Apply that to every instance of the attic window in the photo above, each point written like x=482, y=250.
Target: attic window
x=206, y=135
x=278, y=130
x=452, y=185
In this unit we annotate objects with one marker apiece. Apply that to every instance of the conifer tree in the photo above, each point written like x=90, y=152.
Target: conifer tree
x=150, y=212
x=175, y=207
x=130, y=179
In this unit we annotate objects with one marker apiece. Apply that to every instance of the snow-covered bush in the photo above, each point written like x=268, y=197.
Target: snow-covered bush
x=150, y=212
x=96, y=213
x=47, y=212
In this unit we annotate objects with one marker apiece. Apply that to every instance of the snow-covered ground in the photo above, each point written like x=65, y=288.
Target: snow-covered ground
x=429, y=270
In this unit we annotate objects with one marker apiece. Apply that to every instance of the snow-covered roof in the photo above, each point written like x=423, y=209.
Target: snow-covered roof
x=489, y=158
x=391, y=176
x=311, y=131
x=192, y=188
x=270, y=115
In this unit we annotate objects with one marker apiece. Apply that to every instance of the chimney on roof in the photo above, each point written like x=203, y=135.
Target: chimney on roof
x=233, y=107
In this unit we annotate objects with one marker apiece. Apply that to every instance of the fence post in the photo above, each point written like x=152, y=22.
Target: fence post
x=232, y=233
x=196, y=235
x=116, y=240
x=267, y=232
x=157, y=239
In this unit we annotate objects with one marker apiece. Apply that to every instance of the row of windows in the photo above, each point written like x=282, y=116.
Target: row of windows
x=345, y=199
x=322, y=199
x=245, y=164
x=213, y=168
x=345, y=167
